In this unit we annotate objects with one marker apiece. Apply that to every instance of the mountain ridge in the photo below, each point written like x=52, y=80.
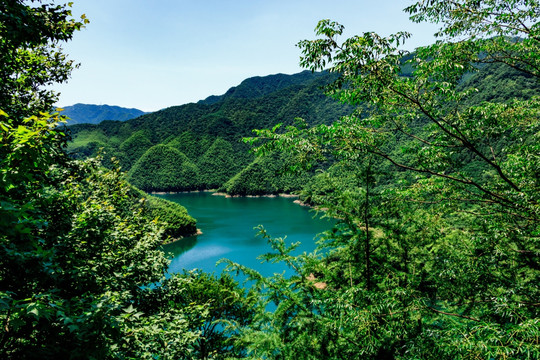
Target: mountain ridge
x=259, y=86
x=201, y=131
x=209, y=132
x=80, y=113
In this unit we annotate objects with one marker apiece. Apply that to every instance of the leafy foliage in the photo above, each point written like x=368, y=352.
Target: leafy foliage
x=435, y=254
x=228, y=306
x=173, y=217
x=30, y=56
x=80, y=258
x=74, y=250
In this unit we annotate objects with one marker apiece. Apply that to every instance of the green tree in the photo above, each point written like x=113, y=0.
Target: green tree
x=174, y=218
x=80, y=263
x=228, y=307
x=454, y=252
x=75, y=250
x=31, y=56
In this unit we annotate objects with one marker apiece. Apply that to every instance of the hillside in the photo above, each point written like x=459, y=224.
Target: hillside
x=259, y=86
x=209, y=133
x=94, y=114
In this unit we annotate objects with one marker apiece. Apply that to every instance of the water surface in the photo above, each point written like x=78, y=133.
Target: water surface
x=228, y=226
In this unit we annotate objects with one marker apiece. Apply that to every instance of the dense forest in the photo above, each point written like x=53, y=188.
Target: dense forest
x=428, y=160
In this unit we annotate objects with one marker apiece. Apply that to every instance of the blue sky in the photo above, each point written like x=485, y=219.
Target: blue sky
x=151, y=54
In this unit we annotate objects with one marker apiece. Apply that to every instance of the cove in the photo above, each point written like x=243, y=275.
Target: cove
x=228, y=231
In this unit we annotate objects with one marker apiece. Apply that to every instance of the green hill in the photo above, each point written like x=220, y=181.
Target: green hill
x=163, y=168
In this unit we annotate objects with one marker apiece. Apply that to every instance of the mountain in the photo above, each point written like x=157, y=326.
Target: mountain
x=259, y=86
x=94, y=114
x=208, y=135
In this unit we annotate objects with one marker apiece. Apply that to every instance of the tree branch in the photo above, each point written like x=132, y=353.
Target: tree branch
x=452, y=314
x=426, y=171
x=459, y=136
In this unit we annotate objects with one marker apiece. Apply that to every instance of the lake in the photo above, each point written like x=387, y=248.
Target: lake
x=228, y=227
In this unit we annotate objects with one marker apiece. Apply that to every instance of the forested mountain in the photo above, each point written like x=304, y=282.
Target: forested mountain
x=94, y=114
x=260, y=86
x=208, y=134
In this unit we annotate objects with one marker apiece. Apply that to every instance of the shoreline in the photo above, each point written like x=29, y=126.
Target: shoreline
x=301, y=203
x=216, y=193
x=256, y=196
x=173, y=240
x=176, y=192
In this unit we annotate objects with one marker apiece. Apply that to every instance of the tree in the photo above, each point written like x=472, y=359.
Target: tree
x=80, y=257
x=455, y=262
x=228, y=307
x=30, y=54
x=75, y=250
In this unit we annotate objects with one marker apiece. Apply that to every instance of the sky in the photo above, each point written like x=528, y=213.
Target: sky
x=152, y=54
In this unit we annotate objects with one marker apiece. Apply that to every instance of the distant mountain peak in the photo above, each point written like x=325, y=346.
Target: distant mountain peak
x=259, y=86
x=94, y=114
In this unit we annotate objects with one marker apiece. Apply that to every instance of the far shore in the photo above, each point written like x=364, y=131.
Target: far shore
x=216, y=193
x=256, y=196
x=177, y=192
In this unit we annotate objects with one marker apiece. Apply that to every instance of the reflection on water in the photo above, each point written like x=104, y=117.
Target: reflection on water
x=179, y=247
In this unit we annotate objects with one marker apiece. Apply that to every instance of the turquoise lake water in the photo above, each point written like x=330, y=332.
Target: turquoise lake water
x=228, y=226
